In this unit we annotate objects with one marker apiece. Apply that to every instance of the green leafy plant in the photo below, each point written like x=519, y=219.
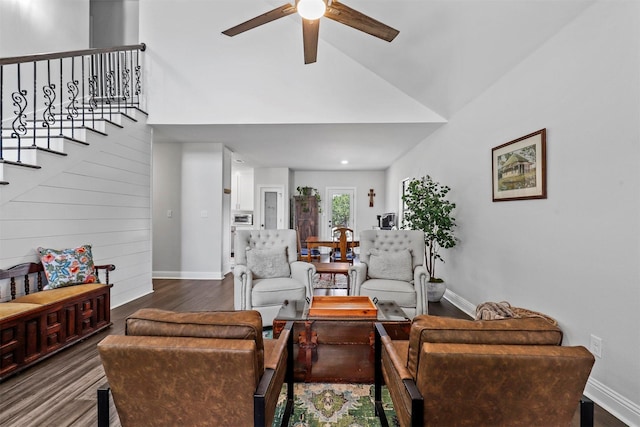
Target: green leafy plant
x=340, y=209
x=309, y=191
x=429, y=210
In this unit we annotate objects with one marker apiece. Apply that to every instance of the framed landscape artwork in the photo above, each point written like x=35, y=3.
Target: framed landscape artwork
x=519, y=168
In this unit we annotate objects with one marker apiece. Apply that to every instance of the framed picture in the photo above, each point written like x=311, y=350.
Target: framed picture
x=520, y=168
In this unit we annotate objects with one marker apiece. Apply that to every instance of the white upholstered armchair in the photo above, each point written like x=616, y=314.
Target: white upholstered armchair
x=392, y=268
x=267, y=272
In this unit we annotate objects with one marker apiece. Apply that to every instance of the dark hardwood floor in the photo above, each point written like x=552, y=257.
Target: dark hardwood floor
x=61, y=391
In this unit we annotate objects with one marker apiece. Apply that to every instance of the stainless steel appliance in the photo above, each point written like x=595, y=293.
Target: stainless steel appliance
x=242, y=218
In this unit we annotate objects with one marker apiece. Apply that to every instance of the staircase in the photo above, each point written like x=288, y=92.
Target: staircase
x=50, y=103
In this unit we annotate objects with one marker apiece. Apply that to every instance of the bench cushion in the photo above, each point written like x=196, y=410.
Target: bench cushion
x=56, y=295
x=7, y=310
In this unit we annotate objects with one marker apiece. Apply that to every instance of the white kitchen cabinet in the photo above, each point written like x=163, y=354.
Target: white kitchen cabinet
x=242, y=191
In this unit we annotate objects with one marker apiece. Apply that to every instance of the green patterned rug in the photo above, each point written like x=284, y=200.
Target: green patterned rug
x=342, y=405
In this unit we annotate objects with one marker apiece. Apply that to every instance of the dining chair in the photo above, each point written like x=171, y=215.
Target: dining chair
x=303, y=253
x=344, y=252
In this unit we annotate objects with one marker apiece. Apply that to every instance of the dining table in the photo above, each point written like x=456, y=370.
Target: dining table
x=317, y=242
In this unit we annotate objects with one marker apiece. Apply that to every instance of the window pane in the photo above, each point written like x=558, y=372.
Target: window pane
x=341, y=209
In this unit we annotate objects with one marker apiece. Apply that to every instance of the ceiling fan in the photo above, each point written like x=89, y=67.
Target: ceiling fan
x=311, y=11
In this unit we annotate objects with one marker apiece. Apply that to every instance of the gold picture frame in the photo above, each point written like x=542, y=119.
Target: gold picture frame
x=520, y=168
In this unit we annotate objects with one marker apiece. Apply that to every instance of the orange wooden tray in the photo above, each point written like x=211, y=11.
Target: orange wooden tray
x=343, y=306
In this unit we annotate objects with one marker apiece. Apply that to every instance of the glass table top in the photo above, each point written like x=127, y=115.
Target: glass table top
x=299, y=310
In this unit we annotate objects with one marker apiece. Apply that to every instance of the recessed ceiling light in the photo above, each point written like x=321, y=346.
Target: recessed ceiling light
x=344, y=162
x=239, y=161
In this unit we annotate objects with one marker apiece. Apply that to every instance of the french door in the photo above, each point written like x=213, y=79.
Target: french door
x=340, y=207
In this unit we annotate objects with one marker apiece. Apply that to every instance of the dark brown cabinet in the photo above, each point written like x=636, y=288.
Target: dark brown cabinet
x=305, y=216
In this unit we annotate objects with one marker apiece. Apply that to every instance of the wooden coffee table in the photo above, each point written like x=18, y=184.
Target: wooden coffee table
x=333, y=268
x=337, y=349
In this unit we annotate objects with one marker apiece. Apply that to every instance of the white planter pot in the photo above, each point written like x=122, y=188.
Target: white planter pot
x=435, y=291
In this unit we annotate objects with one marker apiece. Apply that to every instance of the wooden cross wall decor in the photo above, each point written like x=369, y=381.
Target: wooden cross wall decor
x=371, y=195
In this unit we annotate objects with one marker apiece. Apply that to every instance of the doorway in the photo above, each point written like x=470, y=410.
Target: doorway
x=340, y=208
x=271, y=208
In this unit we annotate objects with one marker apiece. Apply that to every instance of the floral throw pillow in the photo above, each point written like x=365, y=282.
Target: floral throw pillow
x=68, y=267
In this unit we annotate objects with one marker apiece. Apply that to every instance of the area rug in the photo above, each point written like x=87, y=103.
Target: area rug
x=330, y=281
x=342, y=405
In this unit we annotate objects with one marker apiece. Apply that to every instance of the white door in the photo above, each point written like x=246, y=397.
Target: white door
x=340, y=208
x=271, y=208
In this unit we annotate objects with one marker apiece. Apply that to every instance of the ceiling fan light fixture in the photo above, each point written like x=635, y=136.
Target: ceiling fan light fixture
x=311, y=9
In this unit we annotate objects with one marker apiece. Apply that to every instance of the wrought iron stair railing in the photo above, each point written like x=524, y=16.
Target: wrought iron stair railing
x=49, y=96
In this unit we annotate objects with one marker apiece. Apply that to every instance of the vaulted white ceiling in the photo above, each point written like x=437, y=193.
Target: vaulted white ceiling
x=365, y=100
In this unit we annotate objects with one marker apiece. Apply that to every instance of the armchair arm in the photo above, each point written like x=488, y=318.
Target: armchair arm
x=267, y=384
x=357, y=276
x=242, y=284
x=420, y=279
x=303, y=272
x=385, y=342
x=275, y=356
x=402, y=373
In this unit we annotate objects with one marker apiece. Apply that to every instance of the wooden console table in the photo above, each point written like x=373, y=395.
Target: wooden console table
x=333, y=268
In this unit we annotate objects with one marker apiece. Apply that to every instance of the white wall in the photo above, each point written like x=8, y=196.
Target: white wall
x=575, y=254
x=40, y=26
x=114, y=22
x=188, y=180
x=98, y=194
x=362, y=181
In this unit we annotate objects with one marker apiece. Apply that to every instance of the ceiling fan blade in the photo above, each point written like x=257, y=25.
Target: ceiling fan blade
x=310, y=30
x=351, y=17
x=272, y=15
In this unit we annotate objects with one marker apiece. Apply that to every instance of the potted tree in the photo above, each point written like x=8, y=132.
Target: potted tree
x=429, y=210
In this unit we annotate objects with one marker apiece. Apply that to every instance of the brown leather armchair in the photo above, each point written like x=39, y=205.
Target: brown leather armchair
x=455, y=372
x=195, y=369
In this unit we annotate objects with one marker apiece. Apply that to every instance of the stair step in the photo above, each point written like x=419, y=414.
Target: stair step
x=114, y=118
x=128, y=111
x=54, y=143
x=96, y=124
x=75, y=133
x=49, y=139
x=21, y=163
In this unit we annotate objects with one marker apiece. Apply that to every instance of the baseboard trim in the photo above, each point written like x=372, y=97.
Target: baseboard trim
x=617, y=405
x=189, y=275
x=613, y=402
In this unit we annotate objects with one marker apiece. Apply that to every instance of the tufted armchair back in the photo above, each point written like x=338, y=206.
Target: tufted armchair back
x=267, y=277
x=264, y=239
x=393, y=241
x=396, y=272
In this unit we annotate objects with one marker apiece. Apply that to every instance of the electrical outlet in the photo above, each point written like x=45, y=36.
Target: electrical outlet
x=596, y=346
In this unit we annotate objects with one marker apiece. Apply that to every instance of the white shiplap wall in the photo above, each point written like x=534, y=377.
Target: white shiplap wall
x=98, y=194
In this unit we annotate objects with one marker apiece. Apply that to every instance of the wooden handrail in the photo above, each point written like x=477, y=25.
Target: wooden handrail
x=69, y=54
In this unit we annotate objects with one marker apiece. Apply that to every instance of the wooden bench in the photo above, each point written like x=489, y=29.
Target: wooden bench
x=41, y=322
